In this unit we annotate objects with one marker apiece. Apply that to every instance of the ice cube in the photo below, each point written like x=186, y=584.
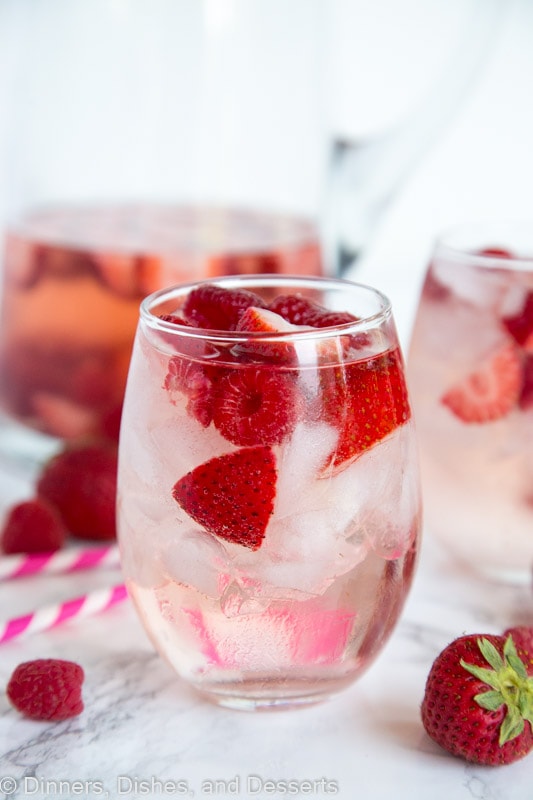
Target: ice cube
x=480, y=287
x=299, y=464
x=193, y=558
x=389, y=494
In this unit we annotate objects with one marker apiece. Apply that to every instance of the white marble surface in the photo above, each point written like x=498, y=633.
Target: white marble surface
x=142, y=727
x=141, y=724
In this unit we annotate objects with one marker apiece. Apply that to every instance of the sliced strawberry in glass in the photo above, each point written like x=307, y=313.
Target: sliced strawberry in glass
x=489, y=392
x=365, y=400
x=520, y=325
x=232, y=496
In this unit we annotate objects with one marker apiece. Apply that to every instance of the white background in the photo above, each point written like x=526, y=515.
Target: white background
x=453, y=77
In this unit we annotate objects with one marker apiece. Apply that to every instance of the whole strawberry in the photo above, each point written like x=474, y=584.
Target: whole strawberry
x=47, y=689
x=478, y=701
x=81, y=483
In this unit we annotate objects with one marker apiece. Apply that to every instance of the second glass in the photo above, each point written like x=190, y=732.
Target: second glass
x=471, y=375
x=269, y=506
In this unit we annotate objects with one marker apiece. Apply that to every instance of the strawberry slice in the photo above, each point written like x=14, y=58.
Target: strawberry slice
x=495, y=252
x=216, y=308
x=489, y=392
x=255, y=406
x=520, y=326
x=129, y=275
x=366, y=400
x=232, y=496
x=526, y=393
x=261, y=320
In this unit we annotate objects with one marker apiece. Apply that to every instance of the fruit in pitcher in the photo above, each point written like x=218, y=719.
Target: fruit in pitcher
x=478, y=700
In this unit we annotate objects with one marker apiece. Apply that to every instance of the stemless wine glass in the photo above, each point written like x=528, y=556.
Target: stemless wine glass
x=269, y=505
x=471, y=376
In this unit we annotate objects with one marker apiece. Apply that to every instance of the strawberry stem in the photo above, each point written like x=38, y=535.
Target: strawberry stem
x=510, y=686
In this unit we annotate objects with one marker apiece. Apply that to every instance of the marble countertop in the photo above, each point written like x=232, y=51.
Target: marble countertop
x=143, y=733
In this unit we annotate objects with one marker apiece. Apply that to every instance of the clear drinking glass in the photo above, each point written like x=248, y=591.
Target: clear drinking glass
x=471, y=377
x=269, y=505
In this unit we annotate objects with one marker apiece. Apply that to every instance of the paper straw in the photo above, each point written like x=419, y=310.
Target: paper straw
x=71, y=559
x=52, y=616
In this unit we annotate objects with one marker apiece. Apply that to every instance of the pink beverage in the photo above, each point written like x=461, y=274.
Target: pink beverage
x=471, y=377
x=269, y=508
x=73, y=281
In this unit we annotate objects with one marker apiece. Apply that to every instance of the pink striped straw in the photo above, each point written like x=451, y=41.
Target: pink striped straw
x=72, y=559
x=52, y=616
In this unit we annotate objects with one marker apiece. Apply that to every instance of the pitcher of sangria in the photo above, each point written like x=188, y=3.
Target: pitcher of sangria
x=191, y=146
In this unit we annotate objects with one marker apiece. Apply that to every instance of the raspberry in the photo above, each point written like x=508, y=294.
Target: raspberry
x=33, y=526
x=216, y=308
x=255, y=406
x=299, y=311
x=47, y=689
x=81, y=483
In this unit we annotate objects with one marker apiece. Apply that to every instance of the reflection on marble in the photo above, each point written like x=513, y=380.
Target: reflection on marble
x=143, y=733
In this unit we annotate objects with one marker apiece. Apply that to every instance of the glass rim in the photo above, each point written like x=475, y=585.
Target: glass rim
x=499, y=234
x=359, y=325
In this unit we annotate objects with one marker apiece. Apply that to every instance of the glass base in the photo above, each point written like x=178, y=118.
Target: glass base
x=271, y=694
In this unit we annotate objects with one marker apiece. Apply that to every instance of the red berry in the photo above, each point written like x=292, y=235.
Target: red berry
x=47, y=689
x=232, y=496
x=191, y=379
x=520, y=326
x=365, y=400
x=174, y=318
x=261, y=320
x=478, y=701
x=299, y=310
x=81, y=483
x=495, y=252
x=128, y=275
x=491, y=391
x=433, y=289
x=523, y=639
x=33, y=526
x=526, y=392
x=216, y=308
x=255, y=406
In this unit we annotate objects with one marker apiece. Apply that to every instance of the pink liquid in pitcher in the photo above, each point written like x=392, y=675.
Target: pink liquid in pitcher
x=73, y=281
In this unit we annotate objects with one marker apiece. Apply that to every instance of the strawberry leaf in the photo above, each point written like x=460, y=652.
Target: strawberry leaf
x=491, y=700
x=513, y=659
x=490, y=653
x=488, y=676
x=511, y=685
x=512, y=726
x=525, y=704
